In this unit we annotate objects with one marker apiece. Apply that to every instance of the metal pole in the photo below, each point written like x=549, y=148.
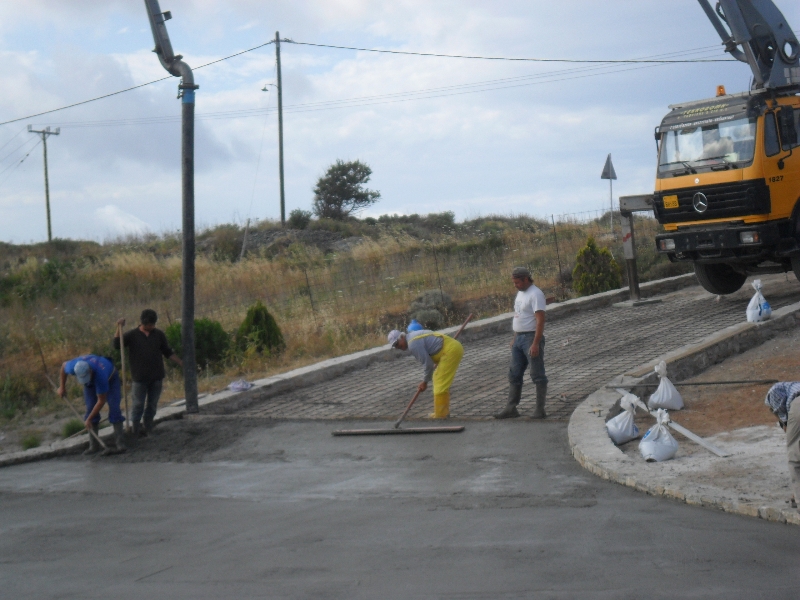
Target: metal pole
x=187, y=295
x=558, y=255
x=611, y=204
x=174, y=65
x=280, y=126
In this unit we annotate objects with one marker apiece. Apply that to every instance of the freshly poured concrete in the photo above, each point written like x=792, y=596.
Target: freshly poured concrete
x=264, y=510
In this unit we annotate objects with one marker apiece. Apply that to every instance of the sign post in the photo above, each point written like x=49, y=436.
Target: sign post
x=627, y=206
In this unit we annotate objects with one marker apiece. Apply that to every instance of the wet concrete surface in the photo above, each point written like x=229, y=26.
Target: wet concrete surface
x=215, y=507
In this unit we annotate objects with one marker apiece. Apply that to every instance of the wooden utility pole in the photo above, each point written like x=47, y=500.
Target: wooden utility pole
x=44, y=133
x=280, y=126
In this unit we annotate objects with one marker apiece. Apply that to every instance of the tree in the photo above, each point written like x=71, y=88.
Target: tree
x=595, y=270
x=339, y=193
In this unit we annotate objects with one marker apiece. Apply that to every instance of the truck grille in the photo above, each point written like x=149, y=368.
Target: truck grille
x=724, y=200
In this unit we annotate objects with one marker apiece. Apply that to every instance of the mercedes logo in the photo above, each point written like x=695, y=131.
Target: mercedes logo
x=700, y=202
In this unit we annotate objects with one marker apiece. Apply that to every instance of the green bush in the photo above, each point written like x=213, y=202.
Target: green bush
x=32, y=440
x=595, y=270
x=72, y=427
x=211, y=342
x=430, y=308
x=260, y=331
x=299, y=219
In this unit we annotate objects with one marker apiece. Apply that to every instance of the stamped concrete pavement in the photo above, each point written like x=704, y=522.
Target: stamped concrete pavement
x=582, y=352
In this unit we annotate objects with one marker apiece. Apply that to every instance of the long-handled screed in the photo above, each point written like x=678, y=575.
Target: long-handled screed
x=124, y=389
x=396, y=427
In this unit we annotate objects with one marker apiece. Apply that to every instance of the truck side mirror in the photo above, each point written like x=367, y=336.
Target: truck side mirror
x=787, y=128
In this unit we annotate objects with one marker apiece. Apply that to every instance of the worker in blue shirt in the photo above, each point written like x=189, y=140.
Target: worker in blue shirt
x=101, y=386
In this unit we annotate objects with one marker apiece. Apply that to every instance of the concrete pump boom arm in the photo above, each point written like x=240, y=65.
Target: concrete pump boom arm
x=767, y=42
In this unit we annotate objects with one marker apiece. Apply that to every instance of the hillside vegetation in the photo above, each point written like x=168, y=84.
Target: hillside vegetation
x=332, y=287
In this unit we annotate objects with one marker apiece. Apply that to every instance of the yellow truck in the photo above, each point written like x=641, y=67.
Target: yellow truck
x=728, y=181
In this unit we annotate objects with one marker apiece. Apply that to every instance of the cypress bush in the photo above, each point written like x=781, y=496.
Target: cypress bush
x=259, y=330
x=211, y=342
x=595, y=270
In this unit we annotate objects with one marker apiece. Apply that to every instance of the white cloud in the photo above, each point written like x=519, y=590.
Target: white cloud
x=115, y=221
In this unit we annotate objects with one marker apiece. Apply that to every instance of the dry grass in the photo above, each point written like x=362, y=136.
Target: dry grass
x=326, y=305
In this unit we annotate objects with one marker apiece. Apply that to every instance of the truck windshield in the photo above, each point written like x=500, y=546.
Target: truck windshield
x=711, y=147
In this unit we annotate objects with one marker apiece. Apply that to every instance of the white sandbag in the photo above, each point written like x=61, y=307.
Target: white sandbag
x=621, y=428
x=759, y=309
x=666, y=395
x=658, y=444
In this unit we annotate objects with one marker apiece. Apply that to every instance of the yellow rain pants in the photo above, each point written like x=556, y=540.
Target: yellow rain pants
x=447, y=361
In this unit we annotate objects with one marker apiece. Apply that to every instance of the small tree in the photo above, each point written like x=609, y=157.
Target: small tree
x=595, y=270
x=299, y=218
x=339, y=193
x=260, y=331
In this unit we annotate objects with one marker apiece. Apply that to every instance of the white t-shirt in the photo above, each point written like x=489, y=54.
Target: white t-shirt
x=525, y=305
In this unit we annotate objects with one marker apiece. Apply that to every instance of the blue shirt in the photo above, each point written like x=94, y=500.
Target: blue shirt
x=102, y=370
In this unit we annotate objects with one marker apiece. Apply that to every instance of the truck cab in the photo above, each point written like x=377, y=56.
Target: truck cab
x=728, y=186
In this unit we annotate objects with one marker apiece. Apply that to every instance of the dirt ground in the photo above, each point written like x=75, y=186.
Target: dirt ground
x=710, y=410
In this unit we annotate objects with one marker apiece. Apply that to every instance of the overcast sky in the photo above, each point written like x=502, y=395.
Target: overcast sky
x=534, y=142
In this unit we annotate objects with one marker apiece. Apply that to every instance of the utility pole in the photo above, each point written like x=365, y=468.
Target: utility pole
x=280, y=126
x=174, y=64
x=44, y=133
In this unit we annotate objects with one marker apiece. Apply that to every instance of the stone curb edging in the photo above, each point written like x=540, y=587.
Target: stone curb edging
x=594, y=450
x=227, y=401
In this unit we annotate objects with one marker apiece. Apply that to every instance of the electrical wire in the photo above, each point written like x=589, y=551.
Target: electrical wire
x=15, y=165
x=135, y=87
x=12, y=138
x=28, y=141
x=503, y=58
x=442, y=91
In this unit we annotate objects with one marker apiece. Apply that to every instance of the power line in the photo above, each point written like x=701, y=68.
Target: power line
x=135, y=87
x=506, y=58
x=15, y=165
x=457, y=89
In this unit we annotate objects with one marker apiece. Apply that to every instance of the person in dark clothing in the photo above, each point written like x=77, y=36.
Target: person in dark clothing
x=145, y=347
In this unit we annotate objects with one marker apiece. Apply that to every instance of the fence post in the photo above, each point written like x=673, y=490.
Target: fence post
x=438, y=278
x=558, y=254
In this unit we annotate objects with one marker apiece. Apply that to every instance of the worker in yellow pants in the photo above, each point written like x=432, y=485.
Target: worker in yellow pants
x=440, y=355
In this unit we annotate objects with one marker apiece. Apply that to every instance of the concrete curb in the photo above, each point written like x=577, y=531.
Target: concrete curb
x=227, y=401
x=595, y=451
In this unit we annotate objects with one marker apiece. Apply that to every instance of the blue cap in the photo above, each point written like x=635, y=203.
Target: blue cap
x=83, y=372
x=414, y=326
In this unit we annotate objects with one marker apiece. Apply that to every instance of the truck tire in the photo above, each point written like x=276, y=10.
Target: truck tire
x=719, y=278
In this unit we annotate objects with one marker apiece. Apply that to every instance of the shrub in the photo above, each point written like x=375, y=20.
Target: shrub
x=72, y=427
x=31, y=440
x=430, y=308
x=299, y=219
x=595, y=270
x=260, y=331
x=211, y=341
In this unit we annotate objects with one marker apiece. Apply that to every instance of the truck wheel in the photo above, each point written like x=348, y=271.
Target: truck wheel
x=719, y=278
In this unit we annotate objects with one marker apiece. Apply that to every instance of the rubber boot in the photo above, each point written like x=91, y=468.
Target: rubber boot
x=118, y=446
x=541, y=396
x=510, y=411
x=94, y=445
x=441, y=406
x=148, y=426
x=138, y=431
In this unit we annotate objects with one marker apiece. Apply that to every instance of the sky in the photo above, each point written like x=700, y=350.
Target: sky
x=476, y=137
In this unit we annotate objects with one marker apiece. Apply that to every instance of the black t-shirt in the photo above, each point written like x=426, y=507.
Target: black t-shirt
x=144, y=354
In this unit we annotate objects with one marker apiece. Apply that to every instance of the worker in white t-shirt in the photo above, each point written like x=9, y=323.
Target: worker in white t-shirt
x=527, y=347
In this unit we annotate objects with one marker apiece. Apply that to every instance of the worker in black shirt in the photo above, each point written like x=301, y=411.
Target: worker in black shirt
x=145, y=347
